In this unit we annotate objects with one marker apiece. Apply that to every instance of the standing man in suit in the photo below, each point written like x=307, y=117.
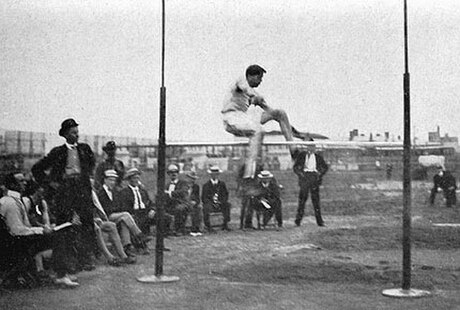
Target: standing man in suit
x=70, y=167
x=445, y=181
x=215, y=199
x=111, y=163
x=310, y=168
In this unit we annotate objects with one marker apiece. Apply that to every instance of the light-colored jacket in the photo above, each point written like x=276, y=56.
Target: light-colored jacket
x=15, y=214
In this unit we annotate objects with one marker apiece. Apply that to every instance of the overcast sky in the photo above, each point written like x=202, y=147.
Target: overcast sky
x=332, y=65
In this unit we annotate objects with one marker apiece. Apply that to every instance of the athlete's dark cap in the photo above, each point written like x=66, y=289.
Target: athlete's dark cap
x=255, y=70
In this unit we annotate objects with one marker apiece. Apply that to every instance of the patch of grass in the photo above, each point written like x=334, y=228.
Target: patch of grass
x=381, y=238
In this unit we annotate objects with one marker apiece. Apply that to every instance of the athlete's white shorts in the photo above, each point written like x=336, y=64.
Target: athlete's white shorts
x=241, y=124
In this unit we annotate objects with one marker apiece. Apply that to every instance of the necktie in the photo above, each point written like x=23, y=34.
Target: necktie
x=110, y=194
x=140, y=204
x=172, y=187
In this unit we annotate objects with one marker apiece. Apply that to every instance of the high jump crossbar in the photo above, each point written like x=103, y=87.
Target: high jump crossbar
x=279, y=143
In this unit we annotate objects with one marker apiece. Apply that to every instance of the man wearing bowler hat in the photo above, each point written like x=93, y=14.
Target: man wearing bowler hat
x=70, y=166
x=111, y=163
x=215, y=198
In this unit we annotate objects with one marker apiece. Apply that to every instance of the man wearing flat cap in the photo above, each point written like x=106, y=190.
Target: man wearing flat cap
x=176, y=199
x=70, y=167
x=110, y=163
x=135, y=200
x=214, y=197
x=110, y=202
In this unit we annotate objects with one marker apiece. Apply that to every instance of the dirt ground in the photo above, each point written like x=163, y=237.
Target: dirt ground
x=345, y=265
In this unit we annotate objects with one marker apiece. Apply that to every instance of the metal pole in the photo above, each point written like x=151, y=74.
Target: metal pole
x=406, y=276
x=161, y=185
x=161, y=156
x=161, y=199
x=406, y=290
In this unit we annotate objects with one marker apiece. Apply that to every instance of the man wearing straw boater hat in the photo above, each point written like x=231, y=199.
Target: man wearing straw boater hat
x=111, y=163
x=215, y=199
x=70, y=166
x=268, y=198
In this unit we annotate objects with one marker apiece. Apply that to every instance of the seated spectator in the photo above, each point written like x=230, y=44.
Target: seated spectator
x=193, y=199
x=247, y=189
x=214, y=197
x=135, y=200
x=38, y=214
x=268, y=198
x=36, y=205
x=111, y=204
x=102, y=224
x=39, y=238
x=444, y=181
x=176, y=202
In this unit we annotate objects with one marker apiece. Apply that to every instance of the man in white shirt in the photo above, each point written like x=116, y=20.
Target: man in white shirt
x=38, y=239
x=310, y=168
x=239, y=123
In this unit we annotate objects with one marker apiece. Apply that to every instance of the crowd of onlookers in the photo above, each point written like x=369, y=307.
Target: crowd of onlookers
x=63, y=217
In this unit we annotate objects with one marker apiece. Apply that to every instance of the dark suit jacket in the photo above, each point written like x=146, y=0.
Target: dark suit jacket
x=56, y=161
x=299, y=164
x=178, y=196
x=271, y=193
x=195, y=194
x=127, y=200
x=110, y=206
x=209, y=190
x=445, y=182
